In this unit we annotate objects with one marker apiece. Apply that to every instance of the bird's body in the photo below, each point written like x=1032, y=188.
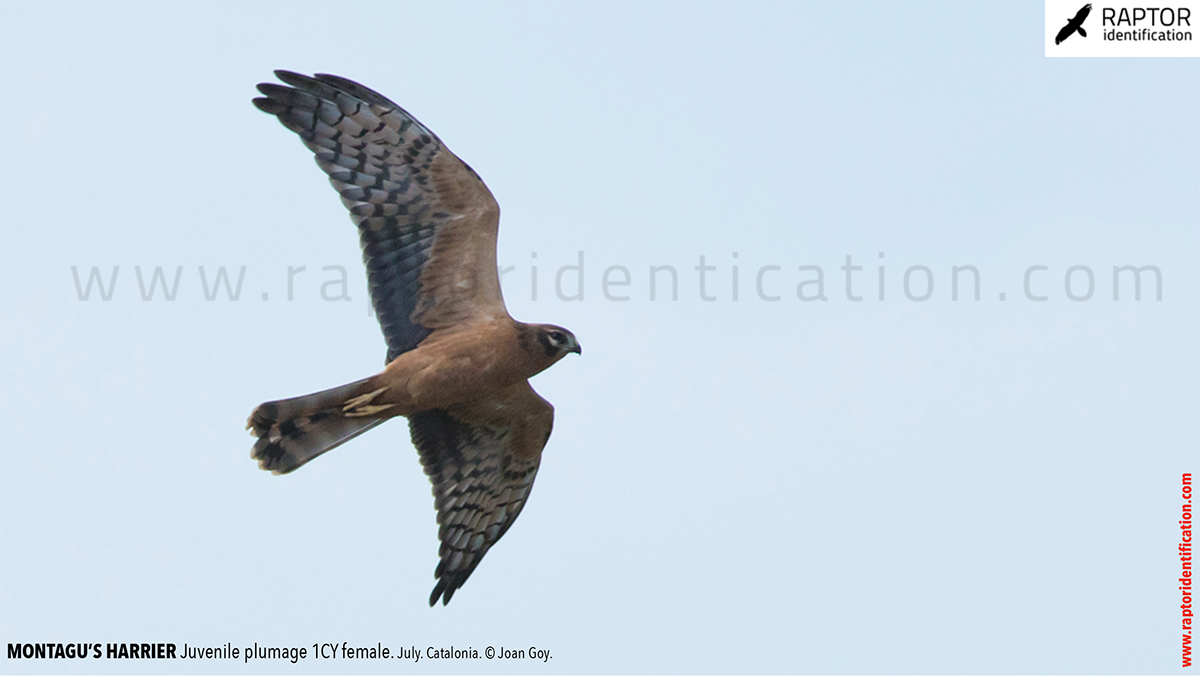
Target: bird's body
x=458, y=365
x=452, y=366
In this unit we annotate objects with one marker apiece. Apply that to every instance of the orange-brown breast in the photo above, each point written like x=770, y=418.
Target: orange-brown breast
x=456, y=365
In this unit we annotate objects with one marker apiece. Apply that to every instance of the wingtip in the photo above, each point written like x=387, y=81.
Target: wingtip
x=274, y=89
x=442, y=589
x=287, y=75
x=267, y=105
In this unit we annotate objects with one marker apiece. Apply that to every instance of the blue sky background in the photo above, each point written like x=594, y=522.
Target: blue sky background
x=742, y=485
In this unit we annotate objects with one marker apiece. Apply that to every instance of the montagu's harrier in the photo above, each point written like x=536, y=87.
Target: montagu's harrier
x=457, y=364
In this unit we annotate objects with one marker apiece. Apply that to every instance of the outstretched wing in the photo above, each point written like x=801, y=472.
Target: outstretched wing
x=426, y=221
x=1082, y=14
x=481, y=459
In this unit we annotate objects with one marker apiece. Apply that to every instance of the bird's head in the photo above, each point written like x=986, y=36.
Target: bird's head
x=545, y=344
x=556, y=341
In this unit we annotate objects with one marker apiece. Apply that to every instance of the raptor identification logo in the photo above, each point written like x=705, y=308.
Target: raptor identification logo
x=1130, y=29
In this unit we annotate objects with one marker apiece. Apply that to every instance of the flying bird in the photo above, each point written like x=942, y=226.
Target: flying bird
x=458, y=366
x=1075, y=24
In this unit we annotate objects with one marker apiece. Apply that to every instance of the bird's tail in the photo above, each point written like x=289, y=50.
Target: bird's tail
x=293, y=431
x=1081, y=31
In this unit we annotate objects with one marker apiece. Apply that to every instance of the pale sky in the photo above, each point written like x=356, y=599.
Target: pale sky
x=786, y=481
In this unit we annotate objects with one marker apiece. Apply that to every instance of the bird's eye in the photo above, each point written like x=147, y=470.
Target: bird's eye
x=557, y=337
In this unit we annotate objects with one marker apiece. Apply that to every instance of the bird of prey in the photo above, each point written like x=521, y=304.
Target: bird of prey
x=1075, y=24
x=457, y=364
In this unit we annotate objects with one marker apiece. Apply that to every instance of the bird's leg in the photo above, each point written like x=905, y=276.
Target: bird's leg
x=361, y=406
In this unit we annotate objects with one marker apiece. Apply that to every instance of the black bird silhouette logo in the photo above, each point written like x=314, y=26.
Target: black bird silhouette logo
x=1075, y=24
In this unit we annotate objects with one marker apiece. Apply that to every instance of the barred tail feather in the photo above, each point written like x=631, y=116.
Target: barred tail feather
x=293, y=431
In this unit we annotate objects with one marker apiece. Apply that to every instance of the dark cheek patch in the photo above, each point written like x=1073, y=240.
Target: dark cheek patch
x=549, y=347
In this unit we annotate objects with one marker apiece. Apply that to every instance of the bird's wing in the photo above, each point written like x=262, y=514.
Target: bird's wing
x=426, y=221
x=1082, y=14
x=481, y=459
